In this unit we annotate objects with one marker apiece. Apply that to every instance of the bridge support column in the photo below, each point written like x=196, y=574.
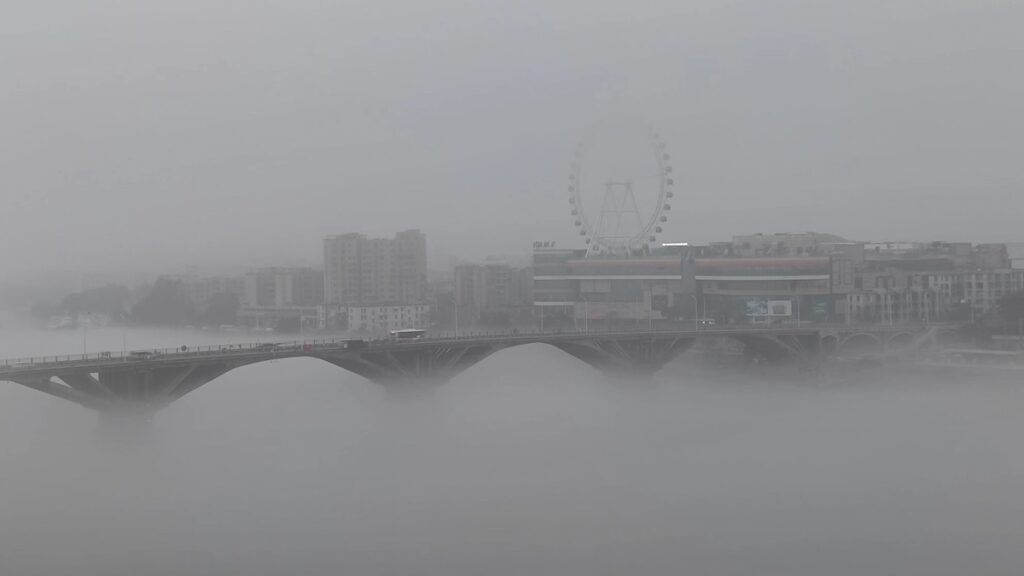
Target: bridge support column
x=414, y=388
x=125, y=396
x=636, y=375
x=413, y=369
x=633, y=359
x=125, y=422
x=805, y=349
x=152, y=389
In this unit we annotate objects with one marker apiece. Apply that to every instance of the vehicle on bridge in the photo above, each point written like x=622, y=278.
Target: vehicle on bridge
x=407, y=334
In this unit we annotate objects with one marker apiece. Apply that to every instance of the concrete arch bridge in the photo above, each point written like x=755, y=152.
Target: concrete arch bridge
x=148, y=381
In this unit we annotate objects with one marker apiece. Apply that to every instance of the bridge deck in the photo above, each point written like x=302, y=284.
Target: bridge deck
x=148, y=380
x=255, y=352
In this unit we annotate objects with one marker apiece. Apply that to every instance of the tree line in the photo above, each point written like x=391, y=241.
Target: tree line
x=165, y=303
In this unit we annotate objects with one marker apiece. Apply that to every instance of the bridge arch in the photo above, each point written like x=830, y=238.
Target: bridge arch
x=150, y=385
x=829, y=344
x=778, y=347
x=948, y=336
x=153, y=381
x=861, y=342
x=899, y=340
x=629, y=357
x=425, y=368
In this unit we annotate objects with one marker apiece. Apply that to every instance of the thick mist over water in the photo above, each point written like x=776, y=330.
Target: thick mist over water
x=528, y=463
x=200, y=140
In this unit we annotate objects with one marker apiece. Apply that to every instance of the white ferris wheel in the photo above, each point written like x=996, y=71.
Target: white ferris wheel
x=619, y=227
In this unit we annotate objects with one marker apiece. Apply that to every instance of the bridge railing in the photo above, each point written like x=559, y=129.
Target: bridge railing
x=306, y=345
x=322, y=344
x=178, y=352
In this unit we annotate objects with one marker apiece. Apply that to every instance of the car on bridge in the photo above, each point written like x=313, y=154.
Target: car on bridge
x=355, y=344
x=407, y=334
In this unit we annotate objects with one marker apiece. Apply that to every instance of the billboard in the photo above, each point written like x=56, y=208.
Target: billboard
x=773, y=308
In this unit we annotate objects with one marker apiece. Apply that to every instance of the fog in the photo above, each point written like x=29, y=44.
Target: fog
x=528, y=463
x=151, y=138
x=260, y=127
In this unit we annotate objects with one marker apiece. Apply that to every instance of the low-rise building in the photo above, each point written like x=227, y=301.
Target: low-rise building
x=379, y=319
x=778, y=278
x=283, y=287
x=280, y=318
x=929, y=281
x=572, y=289
x=201, y=290
x=762, y=290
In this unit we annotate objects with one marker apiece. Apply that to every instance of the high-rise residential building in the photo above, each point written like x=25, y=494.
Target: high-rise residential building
x=483, y=289
x=410, y=265
x=361, y=271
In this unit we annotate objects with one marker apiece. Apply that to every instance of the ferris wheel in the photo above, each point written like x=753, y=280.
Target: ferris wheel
x=620, y=228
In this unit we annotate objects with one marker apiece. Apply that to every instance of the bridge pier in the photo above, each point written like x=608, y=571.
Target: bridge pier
x=805, y=349
x=126, y=392
x=53, y=387
x=413, y=369
x=406, y=389
x=125, y=422
x=143, y=389
x=627, y=359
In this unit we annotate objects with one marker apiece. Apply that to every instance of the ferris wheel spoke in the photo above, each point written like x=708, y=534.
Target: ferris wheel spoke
x=619, y=206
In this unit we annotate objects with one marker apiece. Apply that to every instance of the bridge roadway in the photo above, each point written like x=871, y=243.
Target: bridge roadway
x=151, y=380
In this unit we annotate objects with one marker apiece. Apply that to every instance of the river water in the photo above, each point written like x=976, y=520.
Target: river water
x=528, y=463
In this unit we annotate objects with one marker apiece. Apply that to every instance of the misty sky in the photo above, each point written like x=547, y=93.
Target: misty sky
x=159, y=135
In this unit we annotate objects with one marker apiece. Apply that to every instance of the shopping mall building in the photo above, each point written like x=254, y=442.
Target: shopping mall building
x=773, y=279
x=784, y=278
x=570, y=289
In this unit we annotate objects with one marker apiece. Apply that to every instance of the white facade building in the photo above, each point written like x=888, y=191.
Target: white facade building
x=384, y=318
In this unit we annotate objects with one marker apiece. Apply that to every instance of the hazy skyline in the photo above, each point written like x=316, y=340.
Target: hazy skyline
x=163, y=135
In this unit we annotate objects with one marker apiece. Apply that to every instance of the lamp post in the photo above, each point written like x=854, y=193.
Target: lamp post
x=636, y=305
x=696, y=321
x=965, y=302
x=650, y=306
x=455, y=311
x=586, y=314
x=928, y=300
